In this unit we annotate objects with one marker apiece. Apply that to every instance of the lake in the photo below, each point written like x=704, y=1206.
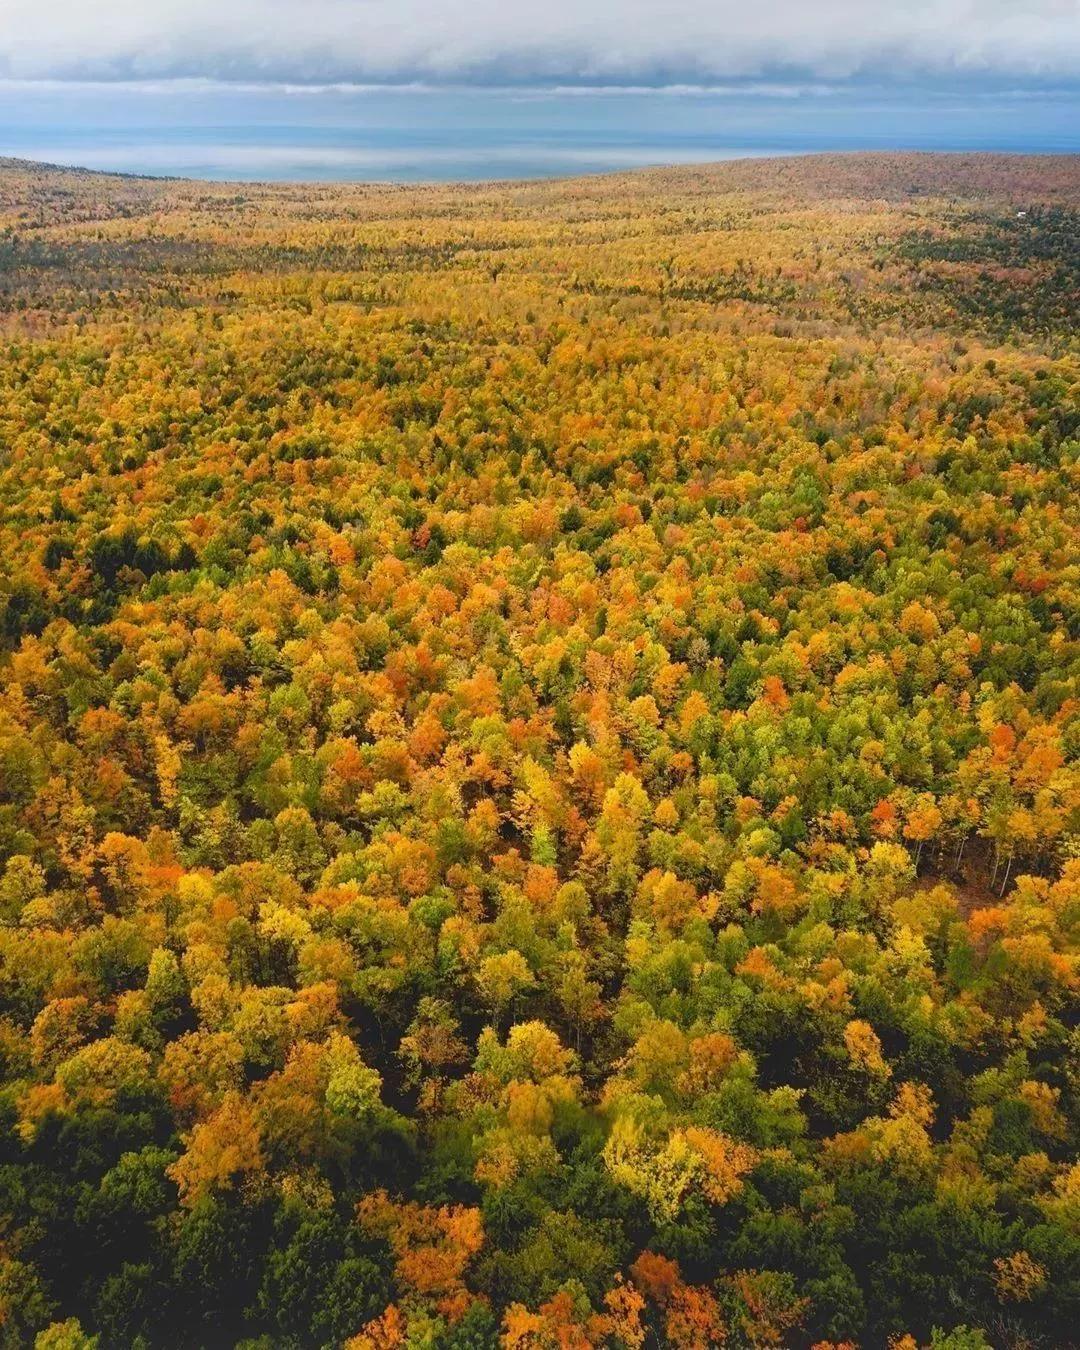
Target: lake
x=409, y=134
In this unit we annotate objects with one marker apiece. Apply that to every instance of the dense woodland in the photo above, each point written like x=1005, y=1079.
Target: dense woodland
x=539, y=739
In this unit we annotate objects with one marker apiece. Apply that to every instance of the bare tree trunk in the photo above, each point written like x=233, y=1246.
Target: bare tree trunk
x=1007, y=871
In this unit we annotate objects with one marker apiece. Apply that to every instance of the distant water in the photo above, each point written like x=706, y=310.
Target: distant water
x=409, y=135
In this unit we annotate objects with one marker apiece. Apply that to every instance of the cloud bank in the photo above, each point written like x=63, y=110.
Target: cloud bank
x=1025, y=42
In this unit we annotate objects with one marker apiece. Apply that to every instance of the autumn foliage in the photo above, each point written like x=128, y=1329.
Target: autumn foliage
x=539, y=737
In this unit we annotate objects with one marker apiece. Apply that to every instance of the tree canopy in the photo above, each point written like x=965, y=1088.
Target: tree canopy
x=539, y=739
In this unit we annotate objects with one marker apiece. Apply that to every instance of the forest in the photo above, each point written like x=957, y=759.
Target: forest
x=540, y=760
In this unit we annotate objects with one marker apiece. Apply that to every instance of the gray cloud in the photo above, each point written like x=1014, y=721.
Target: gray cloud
x=1027, y=42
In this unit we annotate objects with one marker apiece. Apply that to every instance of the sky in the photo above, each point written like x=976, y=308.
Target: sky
x=246, y=87
x=650, y=42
